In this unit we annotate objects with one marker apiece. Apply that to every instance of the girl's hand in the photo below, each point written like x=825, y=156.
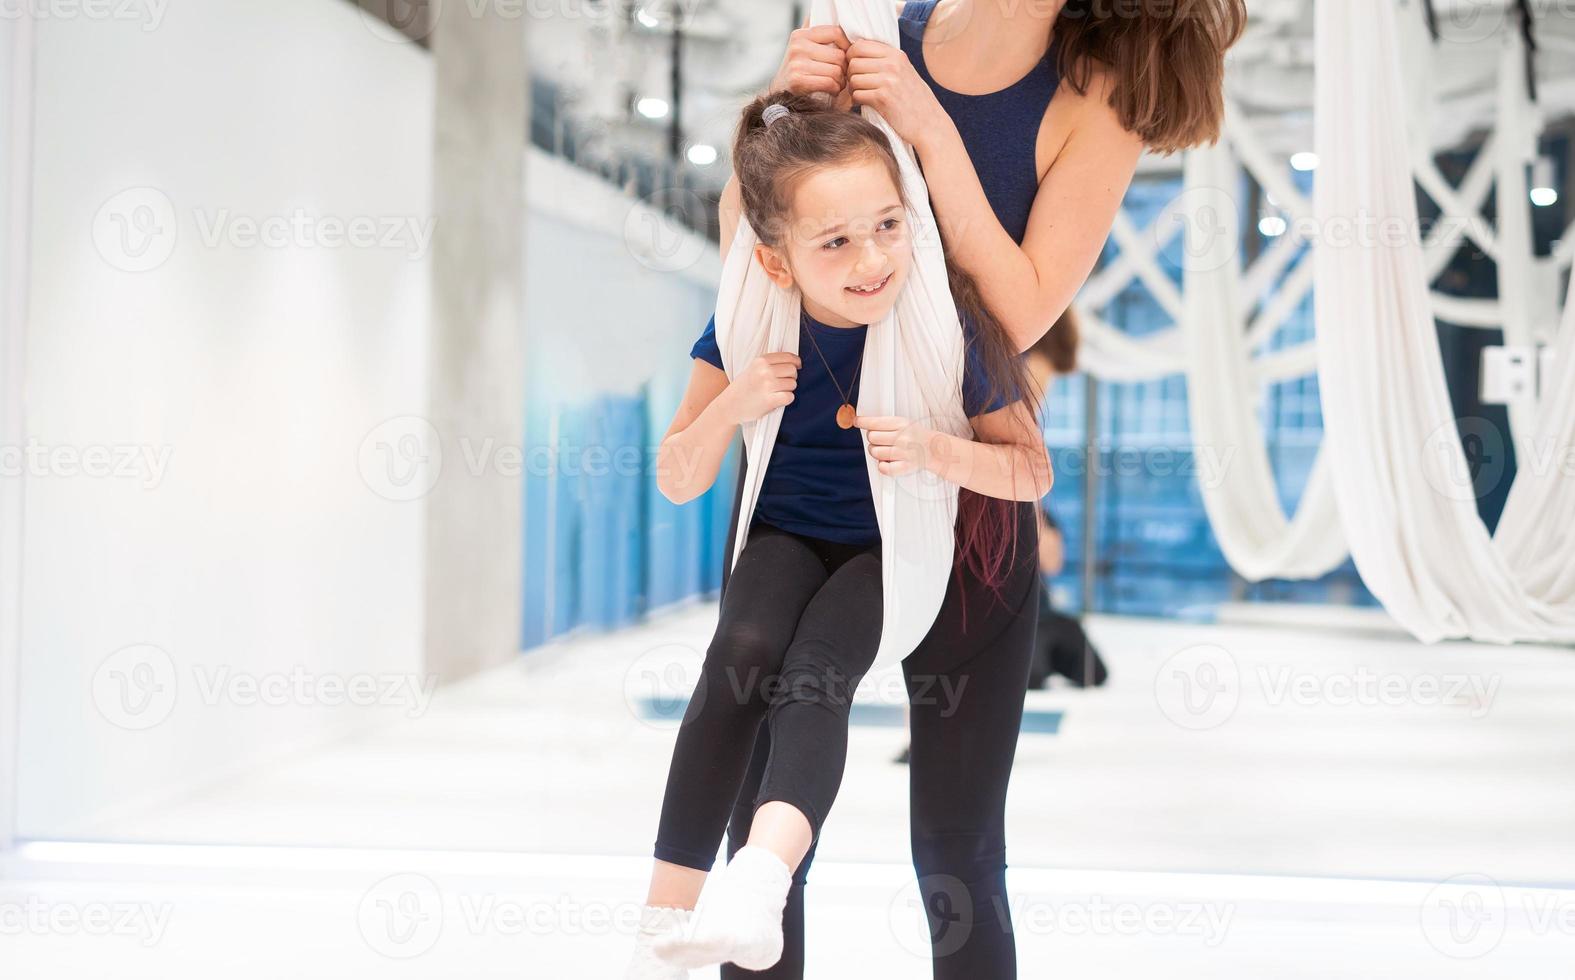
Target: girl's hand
x=764, y=386
x=881, y=76
x=816, y=61
x=901, y=446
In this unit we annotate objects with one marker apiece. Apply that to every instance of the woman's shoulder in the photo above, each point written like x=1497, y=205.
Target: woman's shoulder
x=1096, y=80
x=1090, y=113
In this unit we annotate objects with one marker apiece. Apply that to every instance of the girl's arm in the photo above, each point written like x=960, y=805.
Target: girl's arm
x=1029, y=286
x=696, y=442
x=1006, y=458
x=692, y=450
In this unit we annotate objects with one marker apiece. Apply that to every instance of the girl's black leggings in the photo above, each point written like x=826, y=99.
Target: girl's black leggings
x=966, y=682
x=800, y=624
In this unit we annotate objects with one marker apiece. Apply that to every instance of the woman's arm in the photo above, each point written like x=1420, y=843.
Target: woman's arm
x=1028, y=287
x=816, y=60
x=1052, y=549
x=1005, y=459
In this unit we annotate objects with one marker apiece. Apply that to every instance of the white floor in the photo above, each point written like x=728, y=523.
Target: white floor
x=1244, y=800
x=340, y=914
x=1278, y=775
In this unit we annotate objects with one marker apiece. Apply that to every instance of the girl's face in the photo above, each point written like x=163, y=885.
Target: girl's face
x=846, y=245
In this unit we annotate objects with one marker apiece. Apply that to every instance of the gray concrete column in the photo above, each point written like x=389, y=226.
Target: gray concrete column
x=477, y=398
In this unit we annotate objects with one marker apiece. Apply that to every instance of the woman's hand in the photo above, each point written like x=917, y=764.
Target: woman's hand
x=901, y=446
x=764, y=386
x=816, y=61
x=882, y=77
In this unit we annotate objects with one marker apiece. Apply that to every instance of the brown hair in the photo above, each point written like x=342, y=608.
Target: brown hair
x=1167, y=57
x=769, y=161
x=1058, y=345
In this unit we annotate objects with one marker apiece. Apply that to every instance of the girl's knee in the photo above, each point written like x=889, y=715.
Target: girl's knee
x=741, y=658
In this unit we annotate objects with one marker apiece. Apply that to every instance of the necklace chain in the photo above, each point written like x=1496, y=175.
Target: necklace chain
x=846, y=397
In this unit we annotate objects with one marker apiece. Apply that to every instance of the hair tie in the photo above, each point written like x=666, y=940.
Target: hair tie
x=773, y=112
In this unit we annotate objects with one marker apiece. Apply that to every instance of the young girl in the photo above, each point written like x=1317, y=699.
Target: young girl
x=800, y=620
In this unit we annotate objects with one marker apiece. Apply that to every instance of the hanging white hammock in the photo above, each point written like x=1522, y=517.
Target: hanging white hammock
x=912, y=367
x=1212, y=343
x=1400, y=474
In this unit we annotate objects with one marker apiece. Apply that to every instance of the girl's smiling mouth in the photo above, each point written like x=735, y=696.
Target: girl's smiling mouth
x=871, y=290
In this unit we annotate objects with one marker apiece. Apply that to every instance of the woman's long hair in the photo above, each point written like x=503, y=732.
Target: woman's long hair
x=1167, y=58
x=769, y=161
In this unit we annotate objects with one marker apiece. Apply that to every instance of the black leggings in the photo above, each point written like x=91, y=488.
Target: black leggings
x=800, y=624
x=965, y=691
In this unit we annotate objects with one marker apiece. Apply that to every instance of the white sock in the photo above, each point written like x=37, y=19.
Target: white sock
x=739, y=920
x=656, y=922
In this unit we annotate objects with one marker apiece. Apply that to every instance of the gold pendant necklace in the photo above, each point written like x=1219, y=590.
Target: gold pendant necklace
x=845, y=414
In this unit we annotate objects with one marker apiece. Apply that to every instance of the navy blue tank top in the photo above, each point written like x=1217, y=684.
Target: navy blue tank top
x=1000, y=129
x=817, y=483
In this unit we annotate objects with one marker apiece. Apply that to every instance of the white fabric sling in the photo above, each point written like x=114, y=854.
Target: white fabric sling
x=912, y=367
x=1401, y=476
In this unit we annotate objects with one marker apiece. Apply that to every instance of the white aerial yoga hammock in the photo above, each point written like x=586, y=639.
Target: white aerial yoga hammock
x=1235, y=476
x=912, y=367
x=1397, y=460
x=1212, y=342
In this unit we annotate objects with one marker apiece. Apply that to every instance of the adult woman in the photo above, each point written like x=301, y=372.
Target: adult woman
x=1025, y=176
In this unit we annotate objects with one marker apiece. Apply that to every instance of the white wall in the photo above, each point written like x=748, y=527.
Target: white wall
x=14, y=126
x=615, y=293
x=258, y=370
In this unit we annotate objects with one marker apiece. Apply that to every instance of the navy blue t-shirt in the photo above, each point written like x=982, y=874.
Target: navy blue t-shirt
x=817, y=483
